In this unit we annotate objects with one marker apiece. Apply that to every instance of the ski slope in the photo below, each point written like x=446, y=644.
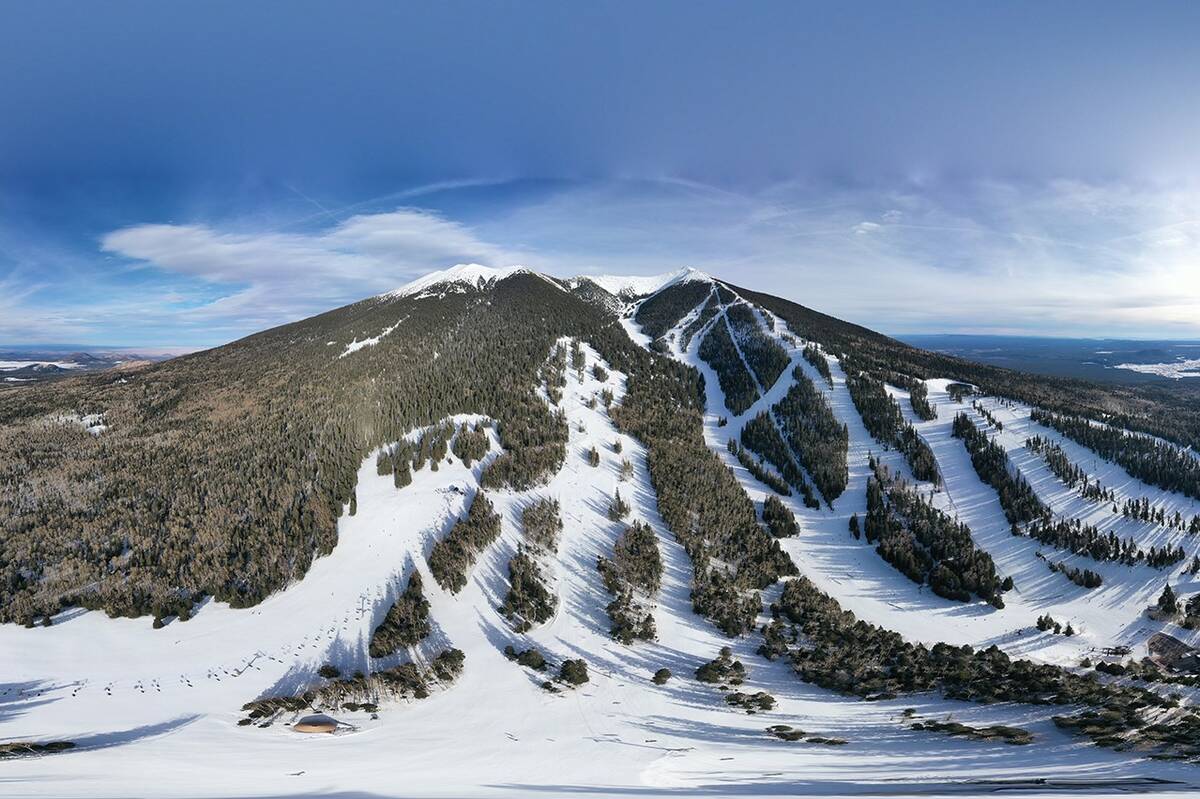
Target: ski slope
x=154, y=712
x=852, y=572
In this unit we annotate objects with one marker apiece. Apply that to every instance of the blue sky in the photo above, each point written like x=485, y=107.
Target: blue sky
x=180, y=175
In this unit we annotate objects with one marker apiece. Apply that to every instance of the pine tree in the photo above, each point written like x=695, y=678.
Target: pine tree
x=402, y=475
x=1167, y=602
x=618, y=509
x=626, y=469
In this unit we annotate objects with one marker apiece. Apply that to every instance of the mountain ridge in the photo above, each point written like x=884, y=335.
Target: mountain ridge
x=479, y=277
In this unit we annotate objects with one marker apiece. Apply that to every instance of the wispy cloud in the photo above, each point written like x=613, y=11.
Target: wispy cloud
x=1055, y=258
x=274, y=277
x=372, y=250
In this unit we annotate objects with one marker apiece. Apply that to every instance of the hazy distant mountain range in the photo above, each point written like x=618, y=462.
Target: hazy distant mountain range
x=21, y=365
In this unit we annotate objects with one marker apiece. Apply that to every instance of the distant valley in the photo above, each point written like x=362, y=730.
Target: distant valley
x=1109, y=360
x=21, y=365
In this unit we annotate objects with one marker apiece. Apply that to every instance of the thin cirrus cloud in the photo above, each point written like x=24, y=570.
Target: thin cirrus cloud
x=1061, y=258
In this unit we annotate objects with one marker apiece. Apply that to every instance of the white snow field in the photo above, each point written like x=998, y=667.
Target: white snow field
x=626, y=285
x=458, y=278
x=154, y=712
x=1184, y=367
x=356, y=345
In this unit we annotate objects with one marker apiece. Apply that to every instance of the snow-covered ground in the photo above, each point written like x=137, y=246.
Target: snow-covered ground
x=370, y=341
x=851, y=571
x=1184, y=367
x=154, y=712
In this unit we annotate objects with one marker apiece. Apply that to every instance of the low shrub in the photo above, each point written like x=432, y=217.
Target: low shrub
x=573, y=672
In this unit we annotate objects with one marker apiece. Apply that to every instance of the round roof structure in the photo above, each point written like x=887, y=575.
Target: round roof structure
x=317, y=723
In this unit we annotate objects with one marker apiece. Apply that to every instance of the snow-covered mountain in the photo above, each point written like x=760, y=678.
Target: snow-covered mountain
x=633, y=287
x=514, y=534
x=466, y=277
x=462, y=277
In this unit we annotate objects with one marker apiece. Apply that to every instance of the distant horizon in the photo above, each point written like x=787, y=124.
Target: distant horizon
x=903, y=336
x=91, y=349
x=170, y=351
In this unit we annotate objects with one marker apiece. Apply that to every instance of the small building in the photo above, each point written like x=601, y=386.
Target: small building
x=1170, y=653
x=316, y=723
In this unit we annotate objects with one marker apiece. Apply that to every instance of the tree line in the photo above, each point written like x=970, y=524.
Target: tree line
x=1157, y=463
x=813, y=354
x=529, y=601
x=758, y=470
x=1068, y=472
x=1086, y=539
x=634, y=572
x=760, y=436
x=718, y=351
x=406, y=623
x=990, y=460
x=762, y=352
x=454, y=554
x=918, y=397
x=1139, y=508
x=884, y=421
x=815, y=435
x=927, y=545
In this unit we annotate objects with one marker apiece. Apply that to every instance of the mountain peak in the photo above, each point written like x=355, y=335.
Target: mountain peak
x=687, y=274
x=627, y=286
x=475, y=276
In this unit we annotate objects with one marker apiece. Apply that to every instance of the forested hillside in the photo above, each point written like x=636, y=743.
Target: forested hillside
x=223, y=473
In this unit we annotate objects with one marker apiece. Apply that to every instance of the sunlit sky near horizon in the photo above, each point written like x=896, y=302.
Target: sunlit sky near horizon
x=178, y=176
